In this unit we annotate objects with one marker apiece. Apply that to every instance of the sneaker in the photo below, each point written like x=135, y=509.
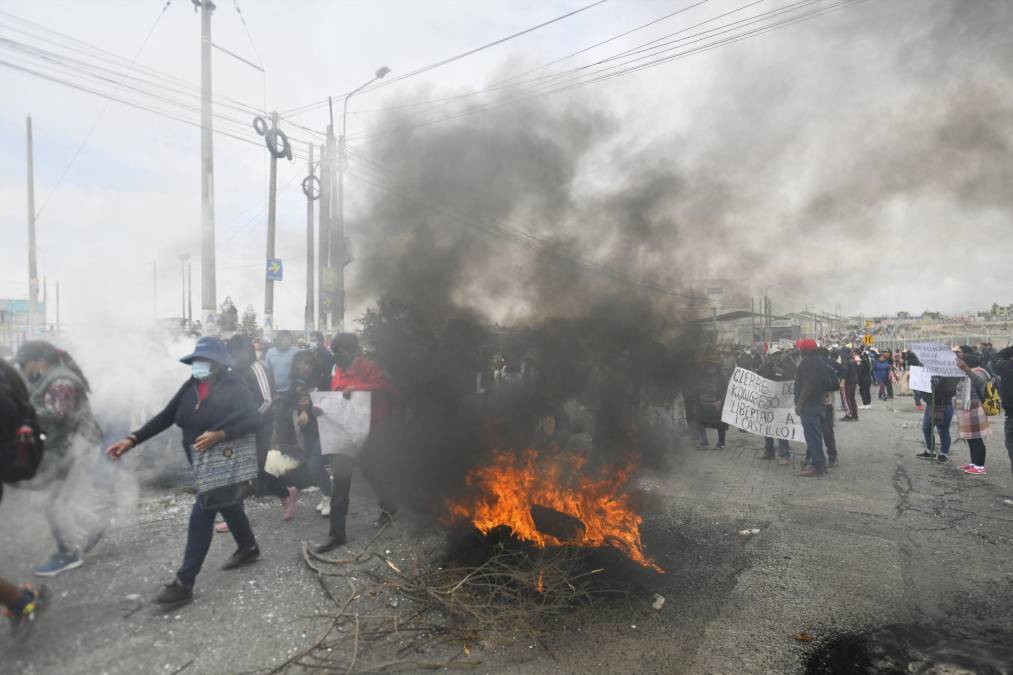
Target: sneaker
x=942, y=459
x=1008, y=502
x=784, y=461
x=919, y=408
x=23, y=619
x=324, y=501
x=242, y=556
x=925, y=455
x=326, y=510
x=95, y=535
x=849, y=419
x=719, y=446
x=174, y=594
x=222, y=528
x=832, y=461
x=289, y=503
x=812, y=472
x=58, y=562
x=975, y=470
x=965, y=467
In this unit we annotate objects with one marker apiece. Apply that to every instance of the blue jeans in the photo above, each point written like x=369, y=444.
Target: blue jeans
x=200, y=532
x=944, y=427
x=782, y=447
x=812, y=426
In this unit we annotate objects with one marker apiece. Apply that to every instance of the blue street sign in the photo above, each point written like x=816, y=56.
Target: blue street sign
x=274, y=269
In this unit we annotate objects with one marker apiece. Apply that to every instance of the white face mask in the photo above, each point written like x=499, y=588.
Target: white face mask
x=201, y=370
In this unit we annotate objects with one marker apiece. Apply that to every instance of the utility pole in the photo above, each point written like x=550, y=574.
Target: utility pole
x=183, y=257
x=189, y=293
x=271, y=205
x=310, y=318
x=45, y=302
x=209, y=302
x=57, y=306
x=324, y=247
x=33, y=268
x=334, y=270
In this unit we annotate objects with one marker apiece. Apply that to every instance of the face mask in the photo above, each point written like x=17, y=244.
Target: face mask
x=315, y=345
x=201, y=370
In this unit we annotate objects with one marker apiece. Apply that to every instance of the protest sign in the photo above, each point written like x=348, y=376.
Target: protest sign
x=937, y=359
x=920, y=380
x=761, y=406
x=344, y=424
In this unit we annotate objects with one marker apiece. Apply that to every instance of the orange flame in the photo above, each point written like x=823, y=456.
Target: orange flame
x=503, y=493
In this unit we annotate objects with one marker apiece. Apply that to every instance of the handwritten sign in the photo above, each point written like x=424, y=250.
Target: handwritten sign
x=937, y=359
x=761, y=406
x=344, y=424
x=920, y=380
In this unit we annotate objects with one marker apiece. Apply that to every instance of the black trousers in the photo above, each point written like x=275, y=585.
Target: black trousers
x=342, y=468
x=865, y=391
x=828, y=433
x=977, y=448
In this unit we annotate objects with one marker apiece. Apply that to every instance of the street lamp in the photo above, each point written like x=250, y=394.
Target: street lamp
x=340, y=263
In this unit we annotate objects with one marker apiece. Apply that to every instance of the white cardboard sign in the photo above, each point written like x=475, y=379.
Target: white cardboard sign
x=761, y=406
x=920, y=380
x=344, y=424
x=937, y=359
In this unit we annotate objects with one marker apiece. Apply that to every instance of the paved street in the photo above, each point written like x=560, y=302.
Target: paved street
x=886, y=538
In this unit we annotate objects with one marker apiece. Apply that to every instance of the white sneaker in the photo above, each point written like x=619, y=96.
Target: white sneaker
x=326, y=511
x=323, y=502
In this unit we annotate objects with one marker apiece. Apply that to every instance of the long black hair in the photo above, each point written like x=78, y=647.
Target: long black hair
x=33, y=350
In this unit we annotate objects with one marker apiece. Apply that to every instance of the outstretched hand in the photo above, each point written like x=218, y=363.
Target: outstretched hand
x=119, y=448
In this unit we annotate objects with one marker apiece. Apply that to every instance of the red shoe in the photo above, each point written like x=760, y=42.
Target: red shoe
x=289, y=503
x=976, y=471
x=965, y=467
x=222, y=528
x=919, y=408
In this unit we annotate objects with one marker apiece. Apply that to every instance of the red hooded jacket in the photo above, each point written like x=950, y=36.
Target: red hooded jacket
x=364, y=375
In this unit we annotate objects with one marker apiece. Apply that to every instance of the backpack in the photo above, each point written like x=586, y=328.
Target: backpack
x=991, y=401
x=22, y=440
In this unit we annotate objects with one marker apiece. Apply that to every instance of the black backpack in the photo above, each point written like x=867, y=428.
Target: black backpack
x=21, y=438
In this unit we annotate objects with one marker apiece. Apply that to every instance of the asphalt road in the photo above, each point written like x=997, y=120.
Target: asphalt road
x=884, y=539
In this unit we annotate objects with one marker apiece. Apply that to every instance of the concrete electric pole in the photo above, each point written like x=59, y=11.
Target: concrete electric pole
x=33, y=268
x=271, y=207
x=209, y=302
x=310, y=318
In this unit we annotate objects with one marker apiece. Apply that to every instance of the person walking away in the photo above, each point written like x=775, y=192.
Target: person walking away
x=1002, y=365
x=851, y=362
x=812, y=382
x=304, y=417
x=972, y=421
x=261, y=386
x=780, y=369
x=829, y=438
x=279, y=361
x=881, y=371
x=59, y=393
x=354, y=372
x=710, y=394
x=865, y=379
x=212, y=406
x=939, y=414
x=22, y=604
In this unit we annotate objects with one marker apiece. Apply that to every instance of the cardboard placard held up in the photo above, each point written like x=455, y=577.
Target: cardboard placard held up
x=344, y=424
x=761, y=406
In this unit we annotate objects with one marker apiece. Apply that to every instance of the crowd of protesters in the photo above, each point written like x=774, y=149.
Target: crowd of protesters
x=826, y=372
x=247, y=390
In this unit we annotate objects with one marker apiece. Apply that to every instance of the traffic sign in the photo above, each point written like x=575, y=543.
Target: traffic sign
x=867, y=340
x=274, y=269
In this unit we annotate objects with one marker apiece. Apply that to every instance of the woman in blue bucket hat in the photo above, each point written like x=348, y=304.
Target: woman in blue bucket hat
x=212, y=406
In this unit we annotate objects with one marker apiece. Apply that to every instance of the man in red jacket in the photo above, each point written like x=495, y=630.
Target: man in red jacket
x=354, y=372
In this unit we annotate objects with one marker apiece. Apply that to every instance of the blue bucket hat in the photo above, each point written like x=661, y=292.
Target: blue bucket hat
x=210, y=348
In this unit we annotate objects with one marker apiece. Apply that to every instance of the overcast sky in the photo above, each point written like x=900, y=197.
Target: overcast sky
x=862, y=156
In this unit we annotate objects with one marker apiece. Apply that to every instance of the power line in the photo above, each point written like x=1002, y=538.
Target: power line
x=386, y=83
x=580, y=79
x=98, y=118
x=248, y=35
